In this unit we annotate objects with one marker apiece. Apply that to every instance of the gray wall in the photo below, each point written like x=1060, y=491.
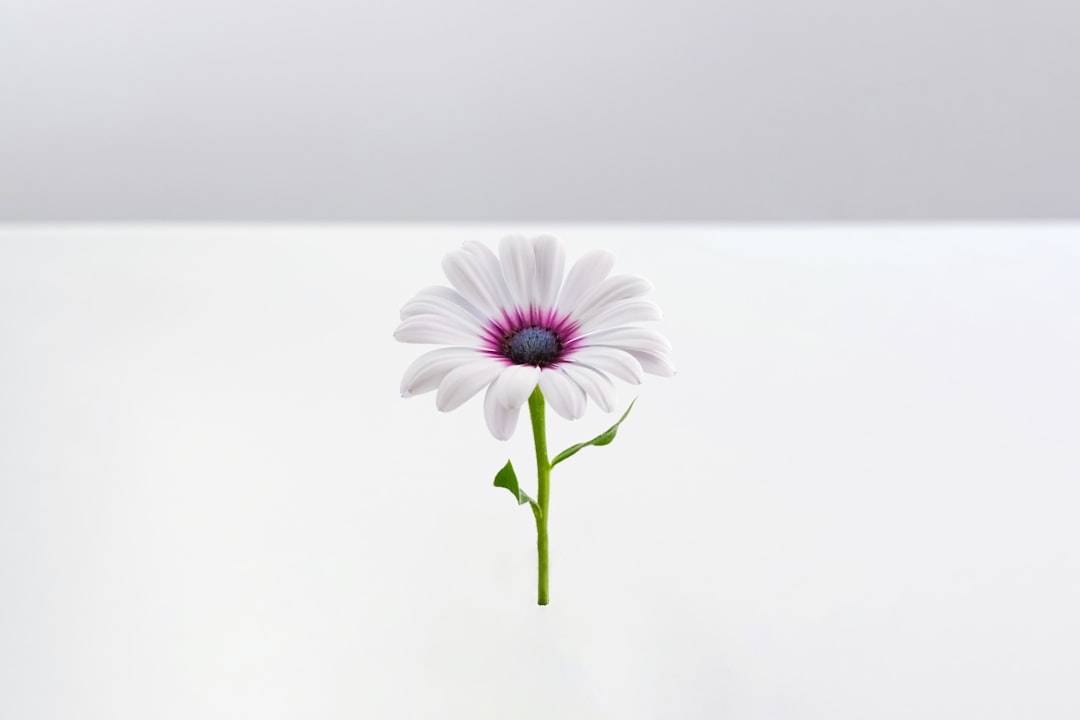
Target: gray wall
x=553, y=110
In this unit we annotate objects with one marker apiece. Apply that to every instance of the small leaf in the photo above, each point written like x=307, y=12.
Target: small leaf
x=603, y=438
x=507, y=478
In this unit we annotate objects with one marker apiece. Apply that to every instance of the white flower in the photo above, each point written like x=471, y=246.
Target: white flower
x=512, y=323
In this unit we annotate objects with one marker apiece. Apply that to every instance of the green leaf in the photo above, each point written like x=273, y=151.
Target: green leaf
x=507, y=478
x=603, y=438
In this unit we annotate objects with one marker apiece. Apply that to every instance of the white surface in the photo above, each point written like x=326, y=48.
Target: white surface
x=609, y=110
x=857, y=500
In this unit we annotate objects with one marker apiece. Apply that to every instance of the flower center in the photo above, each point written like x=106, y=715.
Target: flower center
x=532, y=346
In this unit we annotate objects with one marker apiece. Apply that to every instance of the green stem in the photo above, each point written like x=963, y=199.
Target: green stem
x=543, y=493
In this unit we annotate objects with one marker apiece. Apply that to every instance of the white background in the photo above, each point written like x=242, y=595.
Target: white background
x=605, y=110
x=858, y=498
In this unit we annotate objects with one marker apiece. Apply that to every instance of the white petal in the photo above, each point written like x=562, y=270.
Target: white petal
x=619, y=363
x=622, y=313
x=474, y=271
x=439, y=307
x=464, y=381
x=489, y=263
x=501, y=421
x=427, y=371
x=596, y=384
x=515, y=385
x=439, y=294
x=435, y=330
x=586, y=275
x=518, y=268
x=611, y=291
x=442, y=308
x=629, y=338
x=550, y=263
x=654, y=363
x=564, y=395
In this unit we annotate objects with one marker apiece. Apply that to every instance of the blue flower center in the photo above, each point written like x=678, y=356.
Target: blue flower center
x=532, y=346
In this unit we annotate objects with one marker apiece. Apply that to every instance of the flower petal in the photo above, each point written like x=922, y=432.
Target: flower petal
x=654, y=363
x=618, y=362
x=438, y=307
x=586, y=275
x=611, y=291
x=550, y=263
x=501, y=421
x=629, y=338
x=518, y=268
x=515, y=384
x=435, y=330
x=440, y=295
x=427, y=371
x=564, y=395
x=464, y=381
x=488, y=262
x=624, y=312
x=596, y=384
x=474, y=271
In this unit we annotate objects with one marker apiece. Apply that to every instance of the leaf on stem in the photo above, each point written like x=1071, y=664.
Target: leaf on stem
x=603, y=438
x=507, y=478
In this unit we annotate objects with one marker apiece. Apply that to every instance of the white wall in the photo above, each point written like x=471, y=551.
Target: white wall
x=565, y=110
x=856, y=501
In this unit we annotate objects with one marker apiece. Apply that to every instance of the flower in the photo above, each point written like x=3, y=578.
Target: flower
x=513, y=323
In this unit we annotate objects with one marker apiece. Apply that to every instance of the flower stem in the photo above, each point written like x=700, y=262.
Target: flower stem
x=543, y=493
